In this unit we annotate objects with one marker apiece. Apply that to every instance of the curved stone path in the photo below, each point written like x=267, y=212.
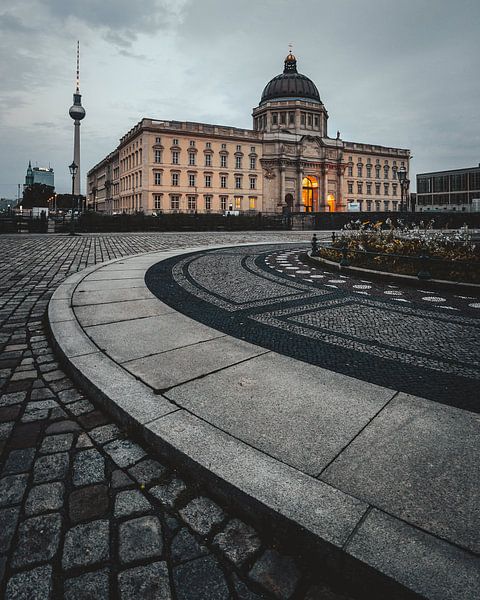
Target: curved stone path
x=85, y=511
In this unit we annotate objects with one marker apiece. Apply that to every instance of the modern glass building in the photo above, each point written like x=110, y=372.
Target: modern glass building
x=455, y=190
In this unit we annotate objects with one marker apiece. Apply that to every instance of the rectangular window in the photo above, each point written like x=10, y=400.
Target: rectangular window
x=208, y=160
x=223, y=161
x=191, y=202
x=192, y=142
x=252, y=149
x=291, y=118
x=208, y=181
x=157, y=202
x=274, y=118
x=309, y=120
x=191, y=180
x=359, y=171
x=158, y=156
x=208, y=203
x=191, y=158
x=238, y=183
x=252, y=202
x=224, y=146
x=394, y=189
x=175, y=177
x=317, y=121
x=360, y=187
x=238, y=162
x=223, y=202
x=302, y=118
x=158, y=140
x=239, y=148
x=175, y=142
x=377, y=189
x=208, y=145
x=386, y=186
x=377, y=171
x=238, y=202
x=253, y=163
x=369, y=170
x=174, y=157
x=253, y=183
x=385, y=173
x=158, y=179
x=223, y=181
x=283, y=118
x=394, y=173
x=174, y=202
x=350, y=188
x=350, y=171
x=369, y=188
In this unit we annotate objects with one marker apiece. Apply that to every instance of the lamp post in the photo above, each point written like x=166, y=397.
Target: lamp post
x=73, y=171
x=404, y=183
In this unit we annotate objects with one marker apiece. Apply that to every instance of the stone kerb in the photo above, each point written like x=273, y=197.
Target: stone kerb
x=359, y=542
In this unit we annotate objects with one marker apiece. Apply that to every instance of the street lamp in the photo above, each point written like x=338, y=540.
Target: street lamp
x=73, y=171
x=404, y=183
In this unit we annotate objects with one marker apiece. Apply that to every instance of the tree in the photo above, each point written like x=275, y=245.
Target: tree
x=37, y=194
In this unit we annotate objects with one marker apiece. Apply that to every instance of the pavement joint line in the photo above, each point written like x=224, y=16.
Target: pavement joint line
x=165, y=390
x=84, y=327
x=395, y=394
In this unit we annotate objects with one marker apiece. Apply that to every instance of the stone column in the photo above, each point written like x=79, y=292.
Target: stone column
x=298, y=199
x=324, y=187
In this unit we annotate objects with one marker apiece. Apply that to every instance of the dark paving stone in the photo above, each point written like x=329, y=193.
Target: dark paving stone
x=185, y=547
x=10, y=399
x=201, y=514
x=50, y=467
x=276, y=573
x=140, y=539
x=120, y=479
x=68, y=396
x=86, y=544
x=25, y=435
x=8, y=523
x=237, y=541
x=9, y=413
x=41, y=394
x=19, y=461
x=45, y=497
x=323, y=592
x=90, y=586
x=12, y=489
x=93, y=419
x=104, y=433
x=38, y=540
x=147, y=471
x=243, y=593
x=200, y=579
x=62, y=427
x=148, y=583
x=88, y=503
x=30, y=585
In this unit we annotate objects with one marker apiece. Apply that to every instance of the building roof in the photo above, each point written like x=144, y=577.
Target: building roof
x=290, y=84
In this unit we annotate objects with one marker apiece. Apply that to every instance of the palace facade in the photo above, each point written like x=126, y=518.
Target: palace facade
x=287, y=162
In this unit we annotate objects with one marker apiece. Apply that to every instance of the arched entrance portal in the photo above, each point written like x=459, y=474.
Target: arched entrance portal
x=310, y=193
x=289, y=203
x=332, y=205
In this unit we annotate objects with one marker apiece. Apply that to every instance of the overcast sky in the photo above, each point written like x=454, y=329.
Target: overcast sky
x=400, y=73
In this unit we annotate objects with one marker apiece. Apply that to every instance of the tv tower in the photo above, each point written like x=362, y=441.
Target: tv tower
x=77, y=112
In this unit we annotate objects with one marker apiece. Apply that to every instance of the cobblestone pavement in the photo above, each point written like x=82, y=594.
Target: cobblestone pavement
x=85, y=511
x=414, y=340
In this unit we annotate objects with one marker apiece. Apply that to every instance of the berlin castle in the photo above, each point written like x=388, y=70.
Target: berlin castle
x=287, y=162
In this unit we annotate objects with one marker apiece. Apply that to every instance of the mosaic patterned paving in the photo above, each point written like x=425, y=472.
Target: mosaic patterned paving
x=419, y=341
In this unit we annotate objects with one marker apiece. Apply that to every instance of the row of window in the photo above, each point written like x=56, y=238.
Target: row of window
x=208, y=145
x=132, y=160
x=377, y=161
x=386, y=188
x=130, y=182
x=207, y=181
x=284, y=118
x=175, y=202
x=192, y=160
x=455, y=182
x=378, y=169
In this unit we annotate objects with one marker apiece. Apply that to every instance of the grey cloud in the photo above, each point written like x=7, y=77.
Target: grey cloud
x=12, y=24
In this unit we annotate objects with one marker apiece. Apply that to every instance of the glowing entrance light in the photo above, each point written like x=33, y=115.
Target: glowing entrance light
x=331, y=204
x=310, y=193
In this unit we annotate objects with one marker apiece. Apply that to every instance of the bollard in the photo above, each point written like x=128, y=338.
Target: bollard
x=314, y=245
x=424, y=273
x=344, y=260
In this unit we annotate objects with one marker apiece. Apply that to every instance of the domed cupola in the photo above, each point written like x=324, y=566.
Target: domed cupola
x=290, y=85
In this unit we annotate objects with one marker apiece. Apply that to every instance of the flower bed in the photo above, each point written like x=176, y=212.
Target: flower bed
x=452, y=257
